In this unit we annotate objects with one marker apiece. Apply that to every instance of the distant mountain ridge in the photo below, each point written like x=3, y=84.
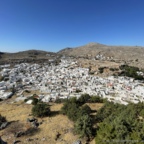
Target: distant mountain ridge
x=131, y=54
x=134, y=54
x=64, y=51
x=26, y=56
x=93, y=49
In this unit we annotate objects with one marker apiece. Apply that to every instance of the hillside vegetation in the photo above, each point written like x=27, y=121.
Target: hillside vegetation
x=120, y=124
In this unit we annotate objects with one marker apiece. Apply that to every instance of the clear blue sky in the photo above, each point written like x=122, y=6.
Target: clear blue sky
x=55, y=24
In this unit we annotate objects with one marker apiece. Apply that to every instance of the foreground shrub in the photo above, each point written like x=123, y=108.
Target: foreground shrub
x=35, y=101
x=85, y=110
x=41, y=110
x=96, y=99
x=71, y=110
x=121, y=123
x=60, y=100
x=80, y=115
x=83, y=99
x=83, y=126
x=74, y=110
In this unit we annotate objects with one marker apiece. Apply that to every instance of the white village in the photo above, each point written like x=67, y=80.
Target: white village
x=64, y=80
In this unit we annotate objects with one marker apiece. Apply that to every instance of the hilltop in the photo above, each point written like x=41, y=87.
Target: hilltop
x=26, y=56
x=129, y=54
x=78, y=91
x=132, y=55
x=89, y=55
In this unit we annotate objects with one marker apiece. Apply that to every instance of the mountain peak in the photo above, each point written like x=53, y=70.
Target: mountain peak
x=92, y=44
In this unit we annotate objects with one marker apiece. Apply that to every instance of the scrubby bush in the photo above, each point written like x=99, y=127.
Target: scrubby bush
x=85, y=110
x=83, y=126
x=107, y=110
x=96, y=99
x=35, y=101
x=70, y=109
x=83, y=99
x=41, y=110
x=101, y=69
x=80, y=114
x=60, y=100
x=78, y=90
x=130, y=71
x=119, y=122
x=74, y=110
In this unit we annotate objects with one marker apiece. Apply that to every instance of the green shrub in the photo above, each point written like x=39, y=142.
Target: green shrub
x=35, y=101
x=72, y=100
x=85, y=110
x=101, y=69
x=83, y=126
x=107, y=110
x=60, y=100
x=130, y=71
x=83, y=99
x=119, y=122
x=78, y=90
x=80, y=115
x=41, y=110
x=96, y=99
x=71, y=110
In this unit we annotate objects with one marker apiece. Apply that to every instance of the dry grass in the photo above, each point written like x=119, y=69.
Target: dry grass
x=51, y=127
x=95, y=106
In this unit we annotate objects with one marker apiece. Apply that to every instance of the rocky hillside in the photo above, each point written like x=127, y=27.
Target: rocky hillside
x=133, y=55
x=26, y=56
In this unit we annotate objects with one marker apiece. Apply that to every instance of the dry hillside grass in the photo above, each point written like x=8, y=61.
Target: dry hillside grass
x=133, y=55
x=51, y=126
x=29, y=56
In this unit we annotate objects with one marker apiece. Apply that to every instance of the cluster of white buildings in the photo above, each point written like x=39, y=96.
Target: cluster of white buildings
x=63, y=80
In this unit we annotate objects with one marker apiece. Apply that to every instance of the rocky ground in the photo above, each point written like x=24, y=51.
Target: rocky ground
x=56, y=129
